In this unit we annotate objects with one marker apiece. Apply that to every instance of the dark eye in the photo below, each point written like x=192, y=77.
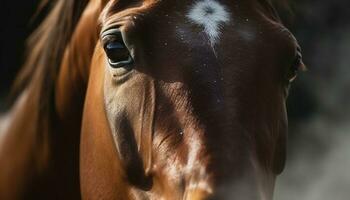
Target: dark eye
x=296, y=66
x=116, y=50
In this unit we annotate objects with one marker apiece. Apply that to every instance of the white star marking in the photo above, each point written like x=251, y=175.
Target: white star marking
x=211, y=15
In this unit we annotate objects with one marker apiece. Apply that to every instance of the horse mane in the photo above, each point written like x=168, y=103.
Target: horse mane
x=45, y=50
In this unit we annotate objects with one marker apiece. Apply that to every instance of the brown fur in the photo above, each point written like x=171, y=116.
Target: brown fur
x=200, y=149
x=242, y=141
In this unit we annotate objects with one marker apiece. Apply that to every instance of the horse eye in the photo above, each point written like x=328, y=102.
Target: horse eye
x=116, y=51
x=295, y=68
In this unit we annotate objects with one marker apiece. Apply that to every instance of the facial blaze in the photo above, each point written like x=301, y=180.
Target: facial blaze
x=211, y=15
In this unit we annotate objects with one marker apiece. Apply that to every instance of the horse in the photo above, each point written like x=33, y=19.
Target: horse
x=150, y=99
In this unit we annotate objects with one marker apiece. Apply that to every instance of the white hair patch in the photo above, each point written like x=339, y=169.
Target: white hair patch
x=211, y=15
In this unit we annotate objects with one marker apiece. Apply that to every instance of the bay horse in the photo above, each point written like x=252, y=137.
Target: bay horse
x=151, y=99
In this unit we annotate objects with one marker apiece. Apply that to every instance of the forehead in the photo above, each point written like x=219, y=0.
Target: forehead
x=204, y=25
x=211, y=15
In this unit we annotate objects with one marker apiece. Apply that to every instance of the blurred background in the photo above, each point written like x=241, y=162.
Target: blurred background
x=318, y=106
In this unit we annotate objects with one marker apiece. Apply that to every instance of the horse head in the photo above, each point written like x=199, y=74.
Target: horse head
x=186, y=100
x=165, y=99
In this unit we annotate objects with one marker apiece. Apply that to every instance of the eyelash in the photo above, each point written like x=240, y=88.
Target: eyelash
x=116, y=51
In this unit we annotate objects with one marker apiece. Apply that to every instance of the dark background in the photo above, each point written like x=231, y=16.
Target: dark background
x=318, y=106
x=17, y=22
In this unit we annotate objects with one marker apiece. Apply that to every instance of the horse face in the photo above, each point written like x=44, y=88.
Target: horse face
x=186, y=99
